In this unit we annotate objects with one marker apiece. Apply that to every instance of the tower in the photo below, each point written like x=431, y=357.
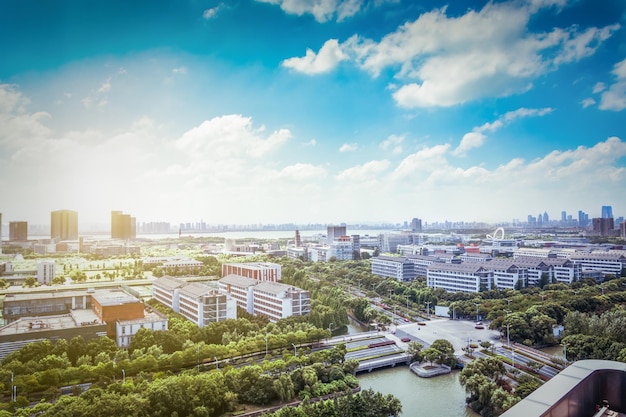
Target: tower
x=18, y=231
x=123, y=226
x=607, y=212
x=64, y=225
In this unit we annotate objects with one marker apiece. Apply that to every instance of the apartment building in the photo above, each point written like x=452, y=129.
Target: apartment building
x=18, y=231
x=64, y=225
x=262, y=271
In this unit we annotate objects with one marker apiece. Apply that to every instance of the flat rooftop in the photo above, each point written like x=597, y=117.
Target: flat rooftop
x=77, y=318
x=113, y=297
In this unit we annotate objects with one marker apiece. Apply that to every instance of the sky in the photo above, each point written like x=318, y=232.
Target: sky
x=312, y=111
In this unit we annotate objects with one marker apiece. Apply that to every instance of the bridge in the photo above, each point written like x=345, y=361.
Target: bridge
x=391, y=360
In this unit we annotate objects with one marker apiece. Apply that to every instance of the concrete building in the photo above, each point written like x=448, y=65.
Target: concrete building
x=199, y=303
x=272, y=299
x=204, y=304
x=123, y=226
x=46, y=270
x=467, y=277
x=585, y=388
x=399, y=268
x=88, y=313
x=507, y=275
x=608, y=263
x=18, y=231
x=262, y=271
x=333, y=232
x=603, y=226
x=64, y=225
x=389, y=241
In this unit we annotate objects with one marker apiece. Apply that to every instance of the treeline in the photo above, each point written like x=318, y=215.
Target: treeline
x=210, y=393
x=596, y=336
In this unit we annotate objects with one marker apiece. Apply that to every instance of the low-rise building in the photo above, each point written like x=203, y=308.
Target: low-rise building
x=262, y=271
x=399, y=268
x=466, y=277
x=272, y=299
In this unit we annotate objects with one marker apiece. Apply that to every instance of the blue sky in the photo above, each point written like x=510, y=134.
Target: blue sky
x=276, y=111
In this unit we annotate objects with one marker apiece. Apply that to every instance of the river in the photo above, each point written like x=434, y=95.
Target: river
x=442, y=396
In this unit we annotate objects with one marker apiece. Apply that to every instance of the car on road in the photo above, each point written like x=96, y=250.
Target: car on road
x=479, y=327
x=421, y=323
x=406, y=339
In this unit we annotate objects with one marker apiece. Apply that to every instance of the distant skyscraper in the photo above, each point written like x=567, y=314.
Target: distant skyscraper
x=583, y=219
x=539, y=219
x=416, y=225
x=607, y=212
x=18, y=231
x=563, y=216
x=123, y=226
x=64, y=225
x=298, y=240
x=333, y=232
x=546, y=218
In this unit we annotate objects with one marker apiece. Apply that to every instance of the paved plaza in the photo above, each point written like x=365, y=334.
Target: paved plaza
x=457, y=332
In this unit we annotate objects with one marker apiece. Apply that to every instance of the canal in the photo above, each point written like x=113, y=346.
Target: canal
x=442, y=396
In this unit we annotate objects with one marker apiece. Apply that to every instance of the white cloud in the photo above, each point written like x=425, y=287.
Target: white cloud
x=588, y=102
x=368, y=171
x=446, y=60
x=312, y=142
x=393, y=143
x=599, y=87
x=212, y=12
x=105, y=87
x=322, y=10
x=18, y=127
x=302, y=172
x=470, y=140
x=180, y=70
x=422, y=161
x=328, y=57
x=230, y=136
x=348, y=147
x=476, y=137
x=615, y=97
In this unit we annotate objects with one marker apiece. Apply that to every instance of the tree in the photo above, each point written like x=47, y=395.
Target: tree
x=431, y=354
x=414, y=349
x=30, y=281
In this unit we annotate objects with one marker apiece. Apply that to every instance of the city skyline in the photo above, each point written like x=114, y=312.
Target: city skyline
x=274, y=112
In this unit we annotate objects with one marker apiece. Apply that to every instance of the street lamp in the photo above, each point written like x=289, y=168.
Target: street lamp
x=295, y=350
x=12, y=388
x=265, y=345
x=565, y=353
x=407, y=301
x=428, y=309
x=453, y=311
x=198, y=358
x=123, y=376
x=217, y=365
x=476, y=304
x=507, y=312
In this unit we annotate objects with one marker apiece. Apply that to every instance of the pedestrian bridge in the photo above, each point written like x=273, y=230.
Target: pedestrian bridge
x=391, y=360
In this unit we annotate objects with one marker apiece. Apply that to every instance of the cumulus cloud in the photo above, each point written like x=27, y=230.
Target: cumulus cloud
x=230, y=136
x=302, y=172
x=322, y=10
x=476, y=137
x=367, y=171
x=18, y=127
x=393, y=143
x=446, y=60
x=328, y=57
x=588, y=102
x=180, y=70
x=348, y=147
x=615, y=97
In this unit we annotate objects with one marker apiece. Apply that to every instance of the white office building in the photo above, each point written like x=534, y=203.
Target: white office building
x=46, y=271
x=399, y=268
x=468, y=277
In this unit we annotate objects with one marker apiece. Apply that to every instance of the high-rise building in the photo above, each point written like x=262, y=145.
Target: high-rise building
x=603, y=225
x=607, y=212
x=333, y=232
x=18, y=231
x=416, y=225
x=563, y=216
x=546, y=218
x=123, y=226
x=583, y=219
x=64, y=225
